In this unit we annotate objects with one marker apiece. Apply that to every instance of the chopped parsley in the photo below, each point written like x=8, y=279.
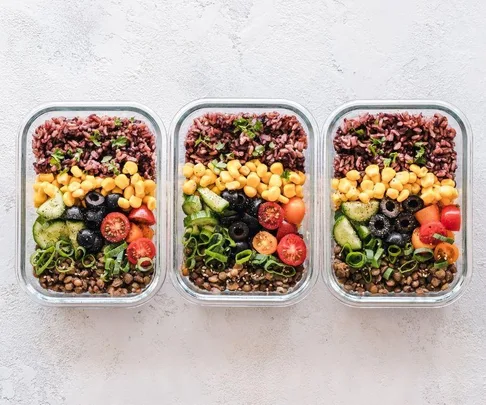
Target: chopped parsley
x=259, y=151
x=118, y=122
x=203, y=140
x=77, y=155
x=119, y=142
x=106, y=159
x=360, y=132
x=271, y=145
x=377, y=141
x=373, y=150
x=56, y=158
x=95, y=138
x=245, y=126
x=111, y=165
x=219, y=146
x=286, y=174
x=419, y=153
x=132, y=119
x=219, y=165
x=390, y=159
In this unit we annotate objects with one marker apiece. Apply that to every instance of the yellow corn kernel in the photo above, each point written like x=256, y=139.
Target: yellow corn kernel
x=282, y=199
x=403, y=177
x=256, y=162
x=104, y=193
x=403, y=195
x=407, y=187
x=149, y=186
x=392, y=193
x=130, y=168
x=427, y=180
x=448, y=182
x=289, y=190
x=68, y=199
x=273, y=193
x=275, y=180
x=76, y=171
x=261, y=170
x=366, y=177
x=353, y=175
x=87, y=185
x=376, y=178
x=261, y=188
x=394, y=183
x=244, y=170
x=446, y=191
x=135, y=178
x=150, y=202
x=199, y=169
x=344, y=185
x=74, y=186
x=49, y=177
x=455, y=193
x=64, y=189
x=352, y=194
x=277, y=168
x=294, y=178
x=415, y=188
x=135, y=202
x=387, y=174
x=367, y=185
x=123, y=203
x=37, y=186
x=195, y=179
x=446, y=201
x=74, y=180
x=299, y=191
x=250, y=191
x=234, y=164
x=251, y=166
x=372, y=170
x=344, y=198
x=90, y=178
x=63, y=179
x=415, y=169
x=51, y=190
x=242, y=181
x=226, y=176
x=334, y=184
x=412, y=177
x=233, y=185
x=97, y=182
x=117, y=190
x=379, y=190
x=266, y=177
x=189, y=187
x=206, y=181
x=437, y=195
x=371, y=193
x=302, y=176
x=216, y=190
x=39, y=198
x=79, y=193
x=364, y=198
x=122, y=181
x=139, y=189
x=234, y=172
x=253, y=180
x=423, y=171
x=220, y=185
x=336, y=199
x=428, y=197
x=188, y=170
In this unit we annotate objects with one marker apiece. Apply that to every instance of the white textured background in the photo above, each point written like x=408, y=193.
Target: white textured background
x=164, y=54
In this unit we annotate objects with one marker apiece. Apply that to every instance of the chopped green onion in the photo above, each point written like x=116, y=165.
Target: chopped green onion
x=423, y=254
x=379, y=252
x=394, y=250
x=363, y=232
x=243, y=256
x=45, y=263
x=370, y=244
x=408, y=266
x=259, y=259
x=142, y=266
x=90, y=263
x=64, y=248
x=443, y=238
x=392, y=259
x=60, y=264
x=441, y=265
x=113, y=250
x=366, y=271
x=79, y=252
x=346, y=250
x=408, y=249
x=388, y=272
x=356, y=260
x=369, y=254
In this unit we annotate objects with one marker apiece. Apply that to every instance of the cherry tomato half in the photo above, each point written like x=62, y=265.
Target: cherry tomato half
x=292, y=250
x=294, y=210
x=428, y=214
x=265, y=243
x=428, y=230
x=451, y=217
x=417, y=243
x=142, y=247
x=270, y=215
x=135, y=233
x=142, y=215
x=446, y=251
x=285, y=228
x=147, y=231
x=115, y=227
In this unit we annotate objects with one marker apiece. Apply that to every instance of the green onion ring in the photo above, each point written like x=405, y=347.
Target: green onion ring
x=394, y=250
x=388, y=272
x=217, y=256
x=441, y=265
x=369, y=255
x=33, y=257
x=408, y=250
x=190, y=263
x=141, y=266
x=113, y=250
x=408, y=266
x=243, y=256
x=346, y=250
x=89, y=264
x=367, y=271
x=61, y=269
x=118, y=263
x=423, y=254
x=356, y=260
x=392, y=259
x=443, y=238
x=259, y=259
x=77, y=255
x=370, y=244
x=44, y=266
x=61, y=246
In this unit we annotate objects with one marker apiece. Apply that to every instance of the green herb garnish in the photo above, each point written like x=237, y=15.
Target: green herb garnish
x=419, y=153
x=56, y=158
x=106, y=159
x=95, y=138
x=271, y=145
x=372, y=149
x=286, y=174
x=219, y=146
x=118, y=122
x=246, y=127
x=77, y=155
x=132, y=119
x=259, y=150
x=119, y=142
x=391, y=159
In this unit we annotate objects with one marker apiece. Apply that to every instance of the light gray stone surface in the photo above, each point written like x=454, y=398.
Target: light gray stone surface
x=164, y=54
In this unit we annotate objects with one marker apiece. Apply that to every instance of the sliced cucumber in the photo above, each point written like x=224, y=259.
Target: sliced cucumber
x=74, y=227
x=212, y=200
x=47, y=233
x=344, y=233
x=52, y=208
x=192, y=204
x=201, y=218
x=360, y=212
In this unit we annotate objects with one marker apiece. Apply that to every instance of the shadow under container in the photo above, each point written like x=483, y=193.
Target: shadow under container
x=463, y=238
x=179, y=128
x=26, y=212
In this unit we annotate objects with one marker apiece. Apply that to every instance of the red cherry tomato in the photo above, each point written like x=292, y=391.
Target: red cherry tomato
x=292, y=250
x=142, y=247
x=285, y=228
x=142, y=215
x=451, y=217
x=294, y=210
x=115, y=227
x=428, y=214
x=428, y=230
x=135, y=233
x=270, y=215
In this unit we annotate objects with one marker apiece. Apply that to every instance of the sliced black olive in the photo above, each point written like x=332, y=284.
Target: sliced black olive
x=226, y=221
x=94, y=199
x=111, y=202
x=94, y=217
x=253, y=224
x=86, y=238
x=97, y=244
x=74, y=214
x=240, y=246
x=253, y=205
x=239, y=231
x=396, y=238
x=413, y=204
x=405, y=223
x=237, y=199
x=390, y=208
x=379, y=225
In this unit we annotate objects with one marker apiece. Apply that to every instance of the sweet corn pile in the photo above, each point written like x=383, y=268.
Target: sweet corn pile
x=397, y=186
x=254, y=177
x=75, y=184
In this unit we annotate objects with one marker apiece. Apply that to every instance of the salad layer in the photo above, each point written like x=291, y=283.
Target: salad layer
x=95, y=197
x=243, y=201
x=394, y=195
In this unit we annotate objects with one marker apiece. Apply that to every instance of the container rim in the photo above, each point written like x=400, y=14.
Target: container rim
x=243, y=300
x=431, y=300
x=84, y=300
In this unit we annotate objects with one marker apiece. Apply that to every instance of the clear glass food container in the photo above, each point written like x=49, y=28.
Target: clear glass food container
x=177, y=133
x=26, y=212
x=463, y=238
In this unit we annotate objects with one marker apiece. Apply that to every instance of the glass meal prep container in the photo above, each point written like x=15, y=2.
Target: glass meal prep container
x=463, y=178
x=26, y=210
x=180, y=126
